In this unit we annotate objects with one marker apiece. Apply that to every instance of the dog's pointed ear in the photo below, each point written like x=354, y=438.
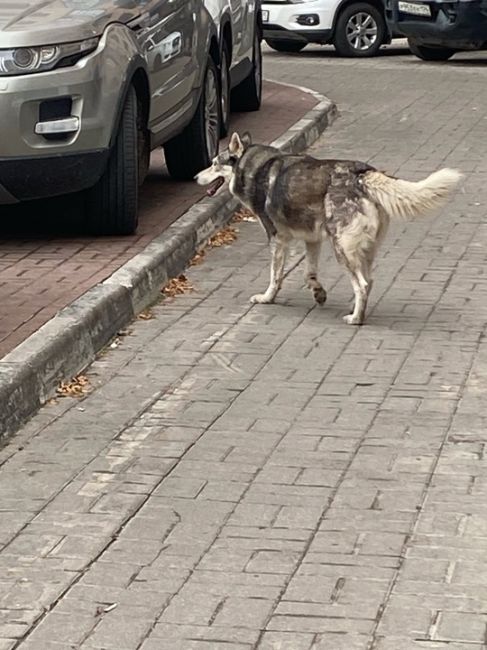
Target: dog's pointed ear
x=236, y=146
x=246, y=139
x=239, y=144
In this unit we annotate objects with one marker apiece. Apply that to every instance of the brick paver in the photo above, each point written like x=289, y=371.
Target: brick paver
x=45, y=264
x=266, y=477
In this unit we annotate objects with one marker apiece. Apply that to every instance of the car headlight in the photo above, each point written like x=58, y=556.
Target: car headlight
x=26, y=60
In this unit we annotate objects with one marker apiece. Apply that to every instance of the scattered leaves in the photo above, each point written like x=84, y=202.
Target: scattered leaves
x=146, y=314
x=243, y=215
x=77, y=387
x=181, y=285
x=177, y=286
x=223, y=237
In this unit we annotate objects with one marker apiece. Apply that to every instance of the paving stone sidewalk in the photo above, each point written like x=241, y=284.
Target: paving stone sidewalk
x=267, y=477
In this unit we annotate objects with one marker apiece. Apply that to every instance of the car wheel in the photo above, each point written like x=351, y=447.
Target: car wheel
x=194, y=148
x=286, y=46
x=225, y=90
x=430, y=53
x=247, y=96
x=111, y=206
x=360, y=31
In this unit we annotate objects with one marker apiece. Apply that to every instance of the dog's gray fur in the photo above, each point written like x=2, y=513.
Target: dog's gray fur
x=300, y=197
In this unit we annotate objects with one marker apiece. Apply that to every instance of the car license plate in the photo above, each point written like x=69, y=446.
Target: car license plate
x=265, y=16
x=415, y=8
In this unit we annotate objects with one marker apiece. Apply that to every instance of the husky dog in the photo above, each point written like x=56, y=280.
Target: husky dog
x=302, y=198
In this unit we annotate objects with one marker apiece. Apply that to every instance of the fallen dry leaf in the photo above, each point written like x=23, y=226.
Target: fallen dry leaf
x=223, y=237
x=177, y=286
x=77, y=387
x=146, y=314
x=243, y=215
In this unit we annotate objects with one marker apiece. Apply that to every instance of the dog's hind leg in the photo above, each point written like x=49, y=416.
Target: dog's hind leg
x=279, y=248
x=313, y=250
x=355, y=243
x=361, y=290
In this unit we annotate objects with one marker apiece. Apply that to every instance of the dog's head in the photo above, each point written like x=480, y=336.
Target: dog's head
x=223, y=166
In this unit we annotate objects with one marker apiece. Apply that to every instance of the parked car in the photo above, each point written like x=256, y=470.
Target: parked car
x=90, y=87
x=355, y=27
x=239, y=29
x=436, y=30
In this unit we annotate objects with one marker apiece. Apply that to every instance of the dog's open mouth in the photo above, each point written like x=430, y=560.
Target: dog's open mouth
x=215, y=186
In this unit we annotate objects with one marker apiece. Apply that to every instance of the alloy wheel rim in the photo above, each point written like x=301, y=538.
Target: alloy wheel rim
x=362, y=31
x=212, y=114
x=258, y=65
x=225, y=99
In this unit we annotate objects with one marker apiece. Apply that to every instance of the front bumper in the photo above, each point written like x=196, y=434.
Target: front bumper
x=457, y=25
x=88, y=94
x=24, y=179
x=309, y=36
x=285, y=21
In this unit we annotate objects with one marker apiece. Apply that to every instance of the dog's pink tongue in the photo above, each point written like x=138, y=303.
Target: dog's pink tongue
x=215, y=186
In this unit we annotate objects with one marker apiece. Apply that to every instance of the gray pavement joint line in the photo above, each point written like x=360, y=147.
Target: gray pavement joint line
x=69, y=342
x=415, y=519
x=356, y=449
x=116, y=534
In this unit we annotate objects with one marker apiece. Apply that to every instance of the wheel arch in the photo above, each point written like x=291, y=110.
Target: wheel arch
x=138, y=78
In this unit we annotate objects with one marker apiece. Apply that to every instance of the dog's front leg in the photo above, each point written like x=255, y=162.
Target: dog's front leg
x=279, y=249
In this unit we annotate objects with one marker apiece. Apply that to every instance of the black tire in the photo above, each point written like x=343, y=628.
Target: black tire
x=247, y=96
x=225, y=90
x=286, y=46
x=353, y=15
x=430, y=53
x=111, y=206
x=193, y=150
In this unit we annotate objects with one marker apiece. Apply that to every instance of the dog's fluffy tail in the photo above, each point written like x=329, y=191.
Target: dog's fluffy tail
x=405, y=199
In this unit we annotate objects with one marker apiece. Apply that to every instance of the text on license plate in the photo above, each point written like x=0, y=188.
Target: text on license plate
x=265, y=16
x=416, y=8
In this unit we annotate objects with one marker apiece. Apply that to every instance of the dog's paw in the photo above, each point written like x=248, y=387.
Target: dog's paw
x=261, y=299
x=319, y=295
x=350, y=319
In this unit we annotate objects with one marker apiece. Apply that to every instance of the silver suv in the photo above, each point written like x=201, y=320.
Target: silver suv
x=89, y=87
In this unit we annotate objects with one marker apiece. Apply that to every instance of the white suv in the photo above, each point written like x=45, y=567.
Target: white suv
x=356, y=28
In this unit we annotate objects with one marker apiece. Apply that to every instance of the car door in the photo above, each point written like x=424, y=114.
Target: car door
x=167, y=38
x=244, y=15
x=237, y=10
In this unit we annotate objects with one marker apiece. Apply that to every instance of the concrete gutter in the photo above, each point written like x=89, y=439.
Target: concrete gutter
x=69, y=342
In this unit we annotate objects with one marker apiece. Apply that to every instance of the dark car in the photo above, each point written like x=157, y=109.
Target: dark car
x=436, y=30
